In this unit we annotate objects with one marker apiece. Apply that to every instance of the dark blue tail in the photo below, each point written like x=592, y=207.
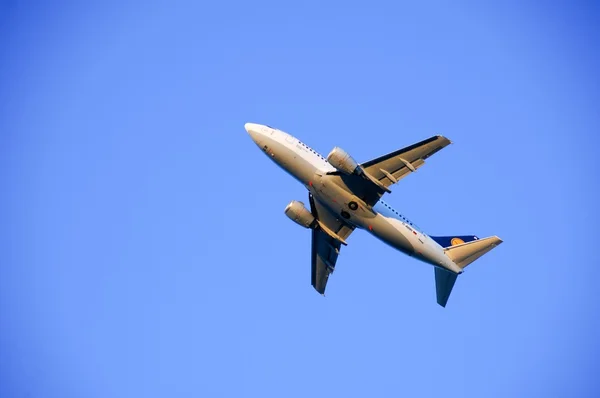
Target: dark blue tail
x=447, y=241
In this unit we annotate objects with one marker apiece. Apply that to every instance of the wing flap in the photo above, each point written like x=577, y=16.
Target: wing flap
x=400, y=173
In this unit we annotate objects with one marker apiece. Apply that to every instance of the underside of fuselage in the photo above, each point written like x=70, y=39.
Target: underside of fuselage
x=353, y=210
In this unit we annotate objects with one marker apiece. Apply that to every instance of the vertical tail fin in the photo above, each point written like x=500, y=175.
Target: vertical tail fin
x=444, y=282
x=462, y=251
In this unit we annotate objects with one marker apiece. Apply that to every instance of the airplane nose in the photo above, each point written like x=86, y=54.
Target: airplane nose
x=253, y=130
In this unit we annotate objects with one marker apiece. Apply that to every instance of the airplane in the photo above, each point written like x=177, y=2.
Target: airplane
x=344, y=195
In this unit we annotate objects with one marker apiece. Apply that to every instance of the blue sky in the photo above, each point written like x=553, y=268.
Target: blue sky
x=144, y=250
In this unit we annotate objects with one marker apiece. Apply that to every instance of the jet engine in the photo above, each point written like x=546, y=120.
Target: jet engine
x=344, y=163
x=339, y=159
x=299, y=214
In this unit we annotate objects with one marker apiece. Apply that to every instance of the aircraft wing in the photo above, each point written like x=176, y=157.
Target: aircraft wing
x=391, y=168
x=325, y=248
x=378, y=174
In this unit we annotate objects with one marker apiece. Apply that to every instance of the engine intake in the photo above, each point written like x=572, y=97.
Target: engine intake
x=299, y=214
x=343, y=162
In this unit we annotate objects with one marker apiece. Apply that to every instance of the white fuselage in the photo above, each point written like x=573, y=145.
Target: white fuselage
x=310, y=168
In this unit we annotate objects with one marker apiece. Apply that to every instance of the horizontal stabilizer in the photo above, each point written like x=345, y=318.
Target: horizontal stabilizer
x=465, y=253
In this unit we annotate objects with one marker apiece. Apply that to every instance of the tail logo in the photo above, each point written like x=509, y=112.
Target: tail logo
x=456, y=241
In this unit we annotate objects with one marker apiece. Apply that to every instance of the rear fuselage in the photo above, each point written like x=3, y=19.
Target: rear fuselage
x=310, y=169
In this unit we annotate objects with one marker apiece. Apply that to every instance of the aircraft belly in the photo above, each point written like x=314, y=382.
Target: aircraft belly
x=295, y=165
x=301, y=169
x=385, y=231
x=337, y=199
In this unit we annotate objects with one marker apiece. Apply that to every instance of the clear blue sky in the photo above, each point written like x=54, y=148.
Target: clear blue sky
x=144, y=251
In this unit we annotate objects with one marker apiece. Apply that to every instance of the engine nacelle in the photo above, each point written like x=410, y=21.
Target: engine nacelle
x=339, y=159
x=299, y=214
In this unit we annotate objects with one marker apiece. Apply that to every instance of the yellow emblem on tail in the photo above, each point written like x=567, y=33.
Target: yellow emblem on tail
x=456, y=241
